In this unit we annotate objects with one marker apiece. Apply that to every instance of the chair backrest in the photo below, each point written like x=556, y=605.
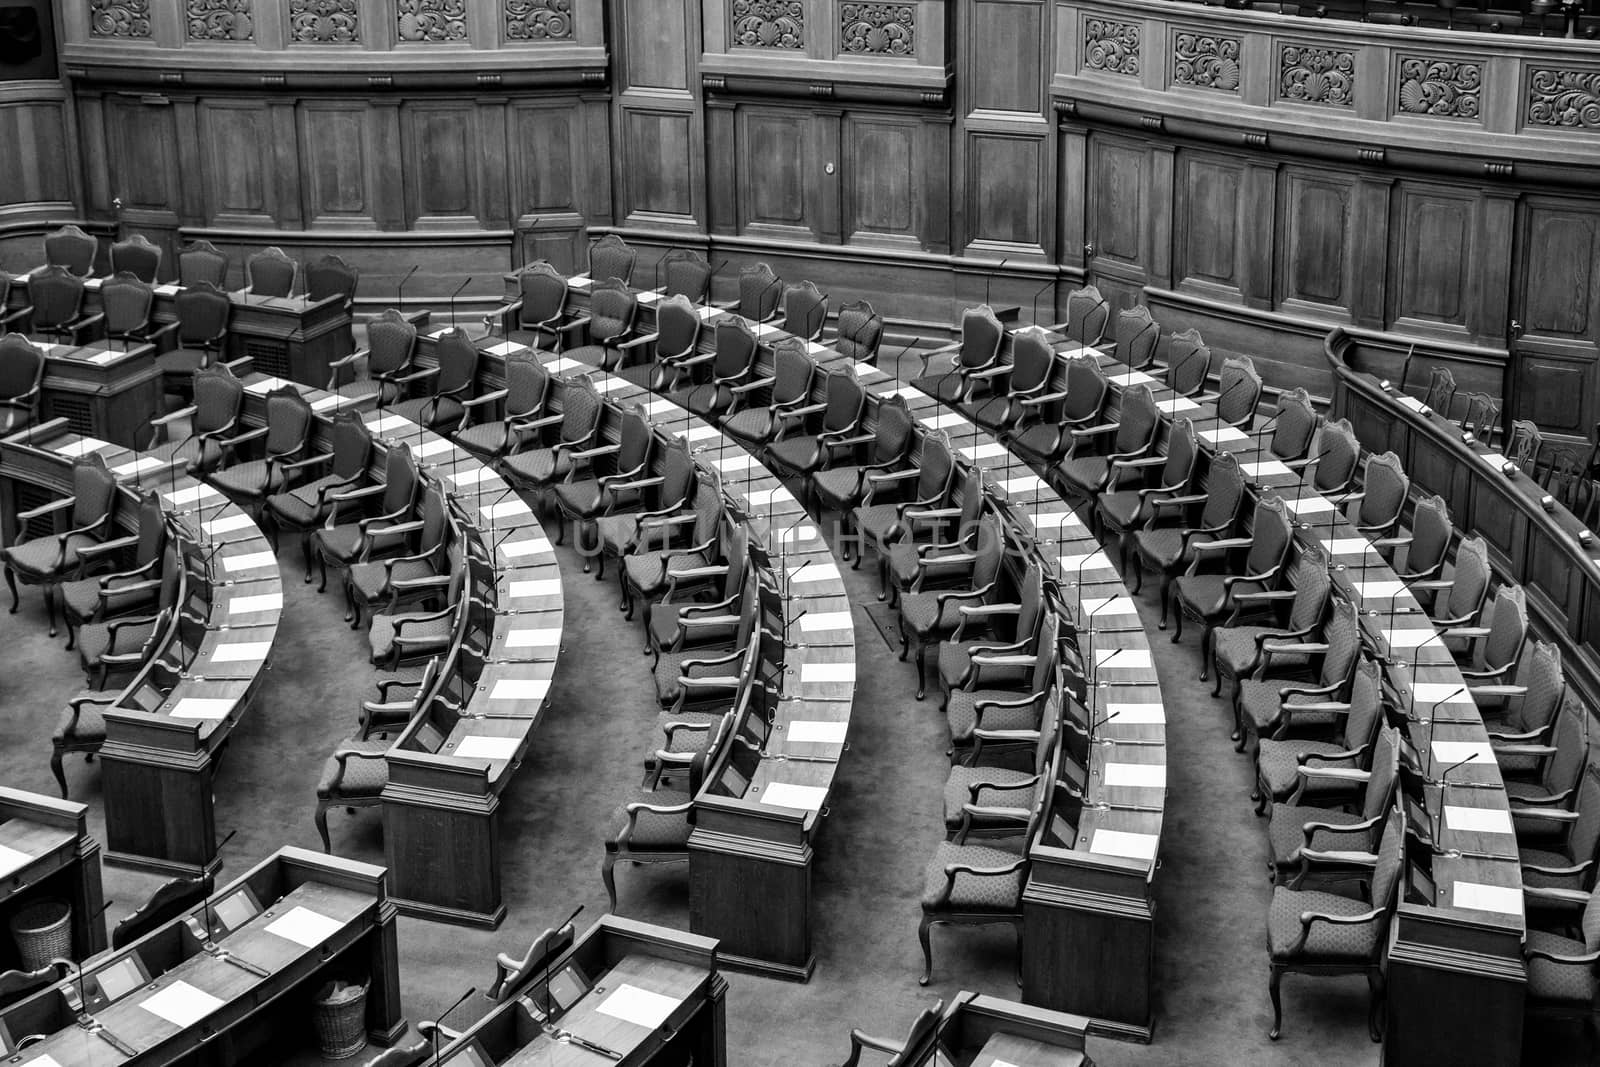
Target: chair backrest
x=289, y=422
x=1182, y=449
x=635, y=439
x=972, y=501
x=138, y=257
x=391, y=343
x=1296, y=424
x=1336, y=452
x=1525, y=444
x=332, y=276
x=612, y=308
x=351, y=445
x=920, y=1039
x=458, y=361
x=859, y=332
x=1379, y=792
x=126, y=300
x=805, y=310
x=1441, y=394
x=792, y=371
x=1508, y=630
x=688, y=274
x=527, y=385
x=981, y=334
x=1238, y=391
x=677, y=476
x=1137, y=336
x=270, y=272
x=1584, y=838
x=846, y=399
x=1431, y=531
x=678, y=325
x=72, y=249
x=1386, y=878
x=1313, y=586
x=170, y=900
x=94, y=491
x=200, y=261
x=1270, y=535
x=759, y=291
x=1032, y=360
x=1342, y=635
x=56, y=294
x=735, y=348
x=435, y=520
x=1138, y=420
x=218, y=396
x=203, y=312
x=891, y=441
x=1087, y=389
x=1482, y=417
x=21, y=366
x=708, y=511
x=400, y=480
x=1188, y=362
x=1386, y=485
x=152, y=530
x=938, y=466
x=1224, y=492
x=543, y=291
x=1540, y=670
x=990, y=550
x=1366, y=705
x=612, y=257
x=580, y=408
x=1087, y=313
x=1571, y=742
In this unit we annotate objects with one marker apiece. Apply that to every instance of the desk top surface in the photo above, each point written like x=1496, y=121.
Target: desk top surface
x=639, y=998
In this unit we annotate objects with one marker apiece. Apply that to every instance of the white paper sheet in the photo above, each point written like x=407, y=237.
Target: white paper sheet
x=509, y=508
x=228, y=524
x=1448, y=752
x=82, y=446
x=985, y=451
x=1094, y=561
x=534, y=637
x=657, y=408
x=817, y=733
x=1134, y=377
x=638, y=1006
x=1310, y=504
x=44, y=1060
x=1123, y=659
x=477, y=746
x=817, y=572
x=1384, y=590
x=825, y=620
x=1478, y=820
x=100, y=359
x=563, y=365
x=1137, y=775
x=764, y=498
x=1494, y=459
x=701, y=432
x=537, y=587
x=1177, y=405
x=1138, y=714
x=523, y=547
x=1095, y=607
x=520, y=689
x=505, y=348
x=435, y=447
x=210, y=708
x=138, y=466
x=827, y=672
x=607, y=385
x=12, y=859
x=1027, y=483
x=181, y=1004
x=241, y=651
x=1123, y=843
x=579, y=281
x=191, y=495
x=1480, y=897
x=1412, y=637
x=263, y=386
x=304, y=927
x=332, y=400
x=473, y=475
x=948, y=420
x=1227, y=435
x=1426, y=693
x=1267, y=469
x=249, y=605
x=742, y=461
x=249, y=561
x=786, y=795
x=390, y=423
x=1349, y=546
x=170, y=289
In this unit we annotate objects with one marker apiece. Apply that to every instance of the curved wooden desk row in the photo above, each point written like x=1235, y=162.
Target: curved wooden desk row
x=1456, y=977
x=447, y=771
x=236, y=973
x=160, y=758
x=1540, y=548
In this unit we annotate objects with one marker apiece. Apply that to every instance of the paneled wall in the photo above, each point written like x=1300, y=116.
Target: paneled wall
x=1261, y=177
x=37, y=179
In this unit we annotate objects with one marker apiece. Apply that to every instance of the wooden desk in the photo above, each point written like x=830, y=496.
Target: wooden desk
x=162, y=750
x=613, y=953
x=103, y=389
x=985, y=1031
x=238, y=1014
x=46, y=851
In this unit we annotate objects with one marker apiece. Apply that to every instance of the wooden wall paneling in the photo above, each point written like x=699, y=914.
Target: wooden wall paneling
x=444, y=152
x=392, y=207
x=36, y=169
x=722, y=169
x=1071, y=192
x=549, y=175
x=493, y=162
x=826, y=173
x=237, y=163
x=1117, y=211
x=938, y=194
x=1256, y=244
x=1315, y=226
x=288, y=148
x=658, y=173
x=1559, y=308
x=94, y=160
x=145, y=176
x=655, y=49
x=192, y=192
x=1370, y=236
x=1432, y=239
x=888, y=179
x=1005, y=65
x=1159, y=198
x=1209, y=224
x=658, y=151
x=339, y=163
x=1489, y=316
x=773, y=162
x=1006, y=174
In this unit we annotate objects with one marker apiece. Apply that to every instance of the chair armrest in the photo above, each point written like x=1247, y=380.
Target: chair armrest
x=486, y=398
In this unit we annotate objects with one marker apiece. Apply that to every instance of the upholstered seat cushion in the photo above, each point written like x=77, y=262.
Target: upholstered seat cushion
x=1084, y=475
x=685, y=740
x=593, y=355
x=1262, y=708
x=46, y=557
x=1571, y=982
x=751, y=424
x=1540, y=857
x=652, y=830
x=1511, y=763
x=905, y=564
x=996, y=893
x=94, y=640
x=1203, y=594
x=798, y=454
x=339, y=543
x=90, y=729
x=1286, y=831
x=81, y=599
x=991, y=412
x=484, y=438
x=1534, y=791
x=432, y=629
x=252, y=478
x=880, y=524
x=369, y=580
x=297, y=508
x=1037, y=442
x=955, y=659
x=647, y=571
x=1327, y=940
x=947, y=385
x=361, y=778
x=446, y=412
x=180, y=361
x=962, y=712
x=838, y=487
x=582, y=499
x=617, y=531
x=922, y=614
x=540, y=465
x=665, y=629
x=1237, y=651
x=1160, y=546
x=1277, y=761
x=1120, y=509
x=1000, y=791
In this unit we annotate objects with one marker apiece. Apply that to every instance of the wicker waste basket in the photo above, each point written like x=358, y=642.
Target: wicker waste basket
x=341, y=1013
x=43, y=932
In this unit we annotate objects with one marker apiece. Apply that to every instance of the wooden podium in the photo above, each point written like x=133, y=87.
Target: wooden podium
x=46, y=852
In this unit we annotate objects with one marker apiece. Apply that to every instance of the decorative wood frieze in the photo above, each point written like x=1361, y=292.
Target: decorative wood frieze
x=538, y=20
x=878, y=29
x=1440, y=88
x=119, y=18
x=769, y=24
x=324, y=21
x=1111, y=46
x=219, y=20
x=1569, y=98
x=1205, y=61
x=433, y=21
x=1309, y=75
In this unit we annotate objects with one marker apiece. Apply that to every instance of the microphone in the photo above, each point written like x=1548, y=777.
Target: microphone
x=1047, y=285
x=440, y=1021
x=1093, y=662
x=1429, y=720
x=453, y=296
x=659, y=261
x=539, y=953
x=215, y=852
x=1304, y=473
x=897, y=357
x=1096, y=724
x=788, y=577
x=1216, y=429
x=400, y=288
x=1444, y=788
x=761, y=298
x=813, y=325
x=989, y=280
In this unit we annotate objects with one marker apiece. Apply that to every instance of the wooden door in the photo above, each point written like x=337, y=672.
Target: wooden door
x=1556, y=337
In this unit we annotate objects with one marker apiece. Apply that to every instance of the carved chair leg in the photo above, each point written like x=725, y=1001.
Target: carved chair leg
x=927, y=950
x=1277, y=1002
x=50, y=607
x=321, y=819
x=1375, y=1011
x=608, y=876
x=59, y=771
x=11, y=582
x=305, y=553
